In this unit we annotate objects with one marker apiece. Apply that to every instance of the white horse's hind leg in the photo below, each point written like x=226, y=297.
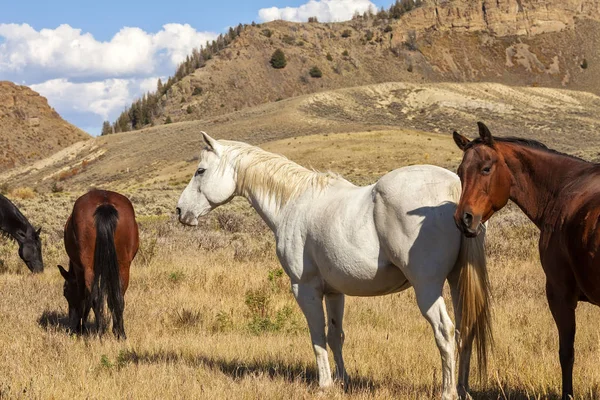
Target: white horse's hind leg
x=433, y=308
x=464, y=359
x=310, y=300
x=335, y=333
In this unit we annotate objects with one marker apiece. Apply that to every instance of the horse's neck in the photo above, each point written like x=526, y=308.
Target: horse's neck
x=538, y=176
x=267, y=208
x=270, y=204
x=11, y=221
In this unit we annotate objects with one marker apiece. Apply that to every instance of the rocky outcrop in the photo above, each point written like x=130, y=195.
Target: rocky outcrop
x=29, y=128
x=502, y=17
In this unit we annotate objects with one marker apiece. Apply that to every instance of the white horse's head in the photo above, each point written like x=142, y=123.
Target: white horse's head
x=213, y=184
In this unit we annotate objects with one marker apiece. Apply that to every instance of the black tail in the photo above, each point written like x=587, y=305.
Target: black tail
x=107, y=281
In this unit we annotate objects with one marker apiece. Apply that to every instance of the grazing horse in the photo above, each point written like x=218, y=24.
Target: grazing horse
x=14, y=225
x=334, y=238
x=561, y=195
x=101, y=240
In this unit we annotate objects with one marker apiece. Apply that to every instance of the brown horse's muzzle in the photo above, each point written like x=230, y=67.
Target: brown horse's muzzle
x=470, y=225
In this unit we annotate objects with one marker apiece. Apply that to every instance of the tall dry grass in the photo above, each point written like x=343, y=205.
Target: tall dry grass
x=209, y=314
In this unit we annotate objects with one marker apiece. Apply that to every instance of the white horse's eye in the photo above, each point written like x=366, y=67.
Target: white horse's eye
x=200, y=171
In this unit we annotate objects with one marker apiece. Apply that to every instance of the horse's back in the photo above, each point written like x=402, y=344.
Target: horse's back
x=81, y=226
x=413, y=212
x=419, y=185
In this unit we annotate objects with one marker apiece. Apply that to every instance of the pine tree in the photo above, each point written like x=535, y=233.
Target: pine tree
x=106, y=128
x=278, y=60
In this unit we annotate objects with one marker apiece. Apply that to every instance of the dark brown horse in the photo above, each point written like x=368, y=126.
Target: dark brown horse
x=101, y=239
x=15, y=226
x=561, y=195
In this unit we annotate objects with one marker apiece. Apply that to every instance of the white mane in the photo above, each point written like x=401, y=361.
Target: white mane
x=264, y=173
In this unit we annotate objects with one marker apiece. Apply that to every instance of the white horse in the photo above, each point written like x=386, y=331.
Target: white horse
x=334, y=238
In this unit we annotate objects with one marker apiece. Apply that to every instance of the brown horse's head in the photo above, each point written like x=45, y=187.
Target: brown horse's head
x=485, y=179
x=73, y=295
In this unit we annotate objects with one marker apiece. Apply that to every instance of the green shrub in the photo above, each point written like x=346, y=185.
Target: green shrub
x=176, y=276
x=168, y=120
x=278, y=60
x=388, y=29
x=329, y=57
x=189, y=109
x=266, y=32
x=345, y=53
x=346, y=33
x=287, y=39
x=197, y=91
x=223, y=322
x=369, y=36
x=315, y=72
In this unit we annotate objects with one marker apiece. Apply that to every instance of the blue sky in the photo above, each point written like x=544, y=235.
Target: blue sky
x=91, y=59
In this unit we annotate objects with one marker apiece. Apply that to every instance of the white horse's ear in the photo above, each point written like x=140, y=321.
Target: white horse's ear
x=211, y=144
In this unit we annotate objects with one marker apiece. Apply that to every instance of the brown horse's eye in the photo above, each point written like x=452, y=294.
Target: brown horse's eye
x=486, y=170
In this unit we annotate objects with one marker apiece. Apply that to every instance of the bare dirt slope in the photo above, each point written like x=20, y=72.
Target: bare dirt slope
x=29, y=128
x=165, y=155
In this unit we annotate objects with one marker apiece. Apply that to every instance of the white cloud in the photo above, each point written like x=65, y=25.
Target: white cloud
x=66, y=52
x=106, y=98
x=324, y=10
x=87, y=80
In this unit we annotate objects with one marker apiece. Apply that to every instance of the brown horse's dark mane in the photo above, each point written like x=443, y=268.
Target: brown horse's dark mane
x=534, y=144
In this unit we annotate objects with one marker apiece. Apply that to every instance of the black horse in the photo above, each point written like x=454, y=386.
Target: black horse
x=14, y=225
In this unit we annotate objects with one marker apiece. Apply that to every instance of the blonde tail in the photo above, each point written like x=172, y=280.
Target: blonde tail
x=474, y=298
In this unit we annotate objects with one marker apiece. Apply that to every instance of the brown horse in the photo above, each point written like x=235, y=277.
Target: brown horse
x=101, y=239
x=561, y=195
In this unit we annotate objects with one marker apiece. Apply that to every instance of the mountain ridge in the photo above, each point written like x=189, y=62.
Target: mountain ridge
x=29, y=128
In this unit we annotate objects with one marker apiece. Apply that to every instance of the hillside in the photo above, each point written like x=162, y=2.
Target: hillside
x=164, y=156
x=522, y=43
x=29, y=128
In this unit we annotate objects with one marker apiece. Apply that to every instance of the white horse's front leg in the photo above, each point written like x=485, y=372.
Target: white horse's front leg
x=310, y=299
x=335, y=334
x=433, y=308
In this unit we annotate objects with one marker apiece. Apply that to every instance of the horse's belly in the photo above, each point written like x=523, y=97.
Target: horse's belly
x=365, y=280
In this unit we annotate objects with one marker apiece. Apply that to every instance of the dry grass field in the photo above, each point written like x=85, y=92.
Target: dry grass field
x=209, y=313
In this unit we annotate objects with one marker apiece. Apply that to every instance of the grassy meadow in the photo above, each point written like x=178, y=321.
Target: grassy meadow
x=209, y=313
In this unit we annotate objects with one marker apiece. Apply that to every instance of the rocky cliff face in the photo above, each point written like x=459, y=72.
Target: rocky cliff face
x=551, y=43
x=502, y=17
x=29, y=128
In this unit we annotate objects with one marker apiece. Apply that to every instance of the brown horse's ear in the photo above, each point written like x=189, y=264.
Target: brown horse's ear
x=63, y=272
x=460, y=140
x=210, y=143
x=485, y=134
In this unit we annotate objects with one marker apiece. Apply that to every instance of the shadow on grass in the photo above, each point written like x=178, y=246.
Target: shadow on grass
x=506, y=393
x=54, y=320
x=239, y=369
x=58, y=320
x=299, y=372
